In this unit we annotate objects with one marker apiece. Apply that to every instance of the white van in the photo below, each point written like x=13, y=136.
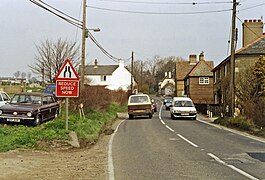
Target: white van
x=183, y=107
x=140, y=105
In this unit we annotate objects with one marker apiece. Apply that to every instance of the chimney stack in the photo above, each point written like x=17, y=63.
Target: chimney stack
x=201, y=56
x=193, y=59
x=252, y=30
x=96, y=63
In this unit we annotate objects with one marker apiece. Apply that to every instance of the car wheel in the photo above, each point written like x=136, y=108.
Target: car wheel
x=130, y=116
x=150, y=116
x=172, y=117
x=37, y=120
x=56, y=113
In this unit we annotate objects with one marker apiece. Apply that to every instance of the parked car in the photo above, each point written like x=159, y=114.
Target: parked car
x=183, y=107
x=154, y=105
x=4, y=98
x=29, y=108
x=139, y=105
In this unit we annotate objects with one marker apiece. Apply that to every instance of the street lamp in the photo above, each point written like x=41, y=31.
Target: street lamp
x=84, y=36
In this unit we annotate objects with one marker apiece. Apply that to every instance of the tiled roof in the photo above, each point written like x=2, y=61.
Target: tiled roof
x=182, y=69
x=202, y=68
x=100, y=70
x=257, y=47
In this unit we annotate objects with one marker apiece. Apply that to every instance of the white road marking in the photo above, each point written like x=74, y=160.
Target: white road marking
x=234, y=131
x=170, y=128
x=162, y=122
x=188, y=141
x=232, y=167
x=110, y=160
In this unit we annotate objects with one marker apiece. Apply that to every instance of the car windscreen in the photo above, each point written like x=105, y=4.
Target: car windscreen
x=183, y=104
x=139, y=99
x=21, y=98
x=5, y=97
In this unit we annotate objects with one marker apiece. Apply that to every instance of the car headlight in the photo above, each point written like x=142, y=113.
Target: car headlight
x=29, y=114
x=1, y=112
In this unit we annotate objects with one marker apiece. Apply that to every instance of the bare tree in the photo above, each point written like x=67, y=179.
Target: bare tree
x=51, y=56
x=17, y=74
x=29, y=76
x=23, y=75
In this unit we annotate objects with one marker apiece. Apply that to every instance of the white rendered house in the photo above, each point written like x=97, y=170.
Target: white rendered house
x=113, y=77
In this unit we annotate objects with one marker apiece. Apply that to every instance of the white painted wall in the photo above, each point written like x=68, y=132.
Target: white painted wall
x=120, y=79
x=96, y=80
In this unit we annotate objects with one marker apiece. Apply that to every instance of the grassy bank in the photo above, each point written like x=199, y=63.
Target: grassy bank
x=88, y=129
x=242, y=124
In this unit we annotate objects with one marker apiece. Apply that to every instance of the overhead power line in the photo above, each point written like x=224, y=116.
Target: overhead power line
x=251, y=7
x=169, y=3
x=161, y=13
x=76, y=23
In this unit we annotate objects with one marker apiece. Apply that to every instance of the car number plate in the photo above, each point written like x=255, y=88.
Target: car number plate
x=184, y=114
x=139, y=111
x=13, y=120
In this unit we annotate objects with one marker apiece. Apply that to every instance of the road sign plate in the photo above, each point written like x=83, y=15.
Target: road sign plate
x=67, y=72
x=67, y=88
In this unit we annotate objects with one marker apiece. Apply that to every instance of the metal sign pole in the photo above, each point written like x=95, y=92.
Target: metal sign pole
x=66, y=116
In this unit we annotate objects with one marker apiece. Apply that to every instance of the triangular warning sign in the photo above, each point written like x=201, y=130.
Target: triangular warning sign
x=67, y=72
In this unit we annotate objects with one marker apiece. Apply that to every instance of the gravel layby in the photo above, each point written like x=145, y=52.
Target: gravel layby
x=58, y=161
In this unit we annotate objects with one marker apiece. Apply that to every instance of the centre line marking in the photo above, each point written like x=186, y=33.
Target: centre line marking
x=188, y=141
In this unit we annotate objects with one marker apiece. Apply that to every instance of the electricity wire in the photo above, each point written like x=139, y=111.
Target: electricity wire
x=168, y=3
x=160, y=13
x=76, y=23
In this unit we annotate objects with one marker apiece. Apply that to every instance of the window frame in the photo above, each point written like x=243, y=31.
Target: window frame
x=204, y=80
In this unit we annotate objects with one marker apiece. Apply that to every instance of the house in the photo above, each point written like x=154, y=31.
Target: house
x=113, y=77
x=253, y=48
x=182, y=69
x=199, y=82
x=167, y=85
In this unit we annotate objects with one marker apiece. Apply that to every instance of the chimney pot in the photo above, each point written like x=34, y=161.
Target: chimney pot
x=201, y=56
x=96, y=63
x=245, y=20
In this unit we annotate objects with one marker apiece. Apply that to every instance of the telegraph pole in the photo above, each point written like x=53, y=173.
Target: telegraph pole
x=83, y=45
x=132, y=73
x=232, y=60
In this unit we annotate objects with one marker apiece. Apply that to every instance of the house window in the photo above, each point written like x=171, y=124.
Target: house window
x=103, y=78
x=214, y=76
x=204, y=80
x=225, y=70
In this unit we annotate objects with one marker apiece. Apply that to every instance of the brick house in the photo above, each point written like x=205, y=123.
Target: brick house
x=253, y=48
x=199, y=84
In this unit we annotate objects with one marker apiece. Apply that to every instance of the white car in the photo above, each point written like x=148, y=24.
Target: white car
x=183, y=107
x=4, y=98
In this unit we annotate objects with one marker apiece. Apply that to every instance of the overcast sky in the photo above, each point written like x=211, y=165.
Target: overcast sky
x=148, y=33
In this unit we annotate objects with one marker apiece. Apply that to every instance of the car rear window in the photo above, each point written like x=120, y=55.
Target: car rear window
x=183, y=104
x=139, y=99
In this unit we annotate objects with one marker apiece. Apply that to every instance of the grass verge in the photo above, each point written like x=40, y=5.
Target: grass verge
x=242, y=124
x=88, y=129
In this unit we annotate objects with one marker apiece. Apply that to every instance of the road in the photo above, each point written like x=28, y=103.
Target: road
x=161, y=148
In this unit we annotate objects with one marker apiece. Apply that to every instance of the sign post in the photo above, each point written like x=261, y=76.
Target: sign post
x=67, y=84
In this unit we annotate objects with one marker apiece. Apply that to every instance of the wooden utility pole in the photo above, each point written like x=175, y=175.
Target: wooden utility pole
x=132, y=73
x=232, y=61
x=141, y=76
x=83, y=45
